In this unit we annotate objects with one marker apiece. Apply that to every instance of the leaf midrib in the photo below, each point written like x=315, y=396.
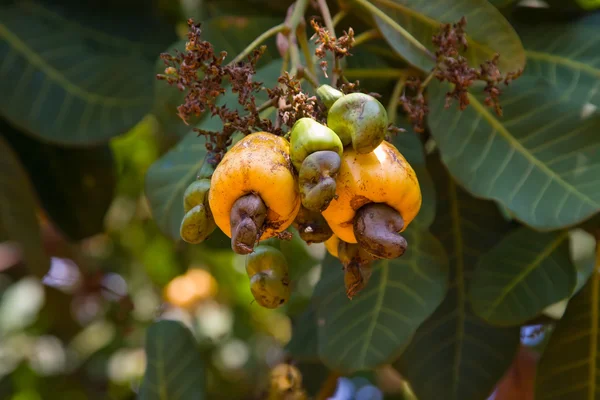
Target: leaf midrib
x=499, y=127
x=526, y=271
x=568, y=62
x=34, y=59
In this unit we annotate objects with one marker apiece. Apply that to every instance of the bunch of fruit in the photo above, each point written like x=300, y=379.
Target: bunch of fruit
x=339, y=183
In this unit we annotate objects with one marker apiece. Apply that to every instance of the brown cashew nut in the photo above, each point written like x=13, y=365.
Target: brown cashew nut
x=248, y=216
x=377, y=227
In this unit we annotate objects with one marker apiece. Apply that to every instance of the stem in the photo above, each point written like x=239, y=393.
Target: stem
x=303, y=42
x=294, y=58
x=310, y=78
x=388, y=20
x=338, y=17
x=426, y=81
x=392, y=109
x=380, y=73
x=366, y=36
x=329, y=25
x=261, y=38
x=297, y=15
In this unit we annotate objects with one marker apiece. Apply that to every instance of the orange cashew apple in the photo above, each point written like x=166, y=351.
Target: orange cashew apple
x=254, y=190
x=378, y=195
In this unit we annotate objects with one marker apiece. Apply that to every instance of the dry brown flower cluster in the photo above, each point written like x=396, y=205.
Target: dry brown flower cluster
x=202, y=73
x=454, y=68
x=339, y=47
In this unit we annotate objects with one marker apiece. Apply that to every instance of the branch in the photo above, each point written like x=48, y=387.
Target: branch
x=261, y=38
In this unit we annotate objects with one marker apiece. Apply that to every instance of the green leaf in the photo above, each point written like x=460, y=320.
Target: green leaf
x=566, y=54
x=540, y=160
x=454, y=352
x=18, y=220
x=304, y=343
x=168, y=177
x=409, y=25
x=174, y=368
x=73, y=76
x=570, y=367
x=374, y=327
x=75, y=185
x=410, y=146
x=521, y=276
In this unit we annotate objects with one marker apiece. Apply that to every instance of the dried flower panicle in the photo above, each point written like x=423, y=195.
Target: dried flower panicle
x=454, y=68
x=200, y=72
x=415, y=106
x=339, y=47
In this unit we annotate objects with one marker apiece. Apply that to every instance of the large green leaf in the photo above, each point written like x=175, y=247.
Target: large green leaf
x=566, y=54
x=18, y=221
x=540, y=160
x=75, y=77
x=168, y=177
x=454, y=352
x=376, y=325
x=174, y=367
x=521, y=276
x=570, y=366
x=410, y=146
x=411, y=24
x=75, y=185
x=304, y=342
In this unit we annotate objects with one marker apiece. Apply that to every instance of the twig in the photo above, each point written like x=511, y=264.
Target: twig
x=338, y=17
x=392, y=109
x=303, y=42
x=261, y=38
x=366, y=36
x=329, y=25
x=380, y=73
x=426, y=81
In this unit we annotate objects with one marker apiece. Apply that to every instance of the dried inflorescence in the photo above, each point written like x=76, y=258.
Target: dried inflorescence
x=339, y=47
x=202, y=73
x=454, y=68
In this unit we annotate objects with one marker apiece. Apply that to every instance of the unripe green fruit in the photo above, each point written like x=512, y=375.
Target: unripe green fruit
x=196, y=194
x=328, y=95
x=359, y=119
x=267, y=269
x=197, y=225
x=309, y=136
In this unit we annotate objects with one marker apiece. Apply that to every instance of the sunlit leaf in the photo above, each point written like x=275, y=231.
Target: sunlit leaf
x=376, y=325
x=540, y=159
x=570, y=366
x=74, y=76
x=409, y=25
x=75, y=185
x=521, y=276
x=174, y=367
x=454, y=352
x=18, y=221
x=168, y=178
x=566, y=54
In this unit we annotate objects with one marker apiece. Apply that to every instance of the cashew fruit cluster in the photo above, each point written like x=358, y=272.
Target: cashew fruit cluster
x=339, y=183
